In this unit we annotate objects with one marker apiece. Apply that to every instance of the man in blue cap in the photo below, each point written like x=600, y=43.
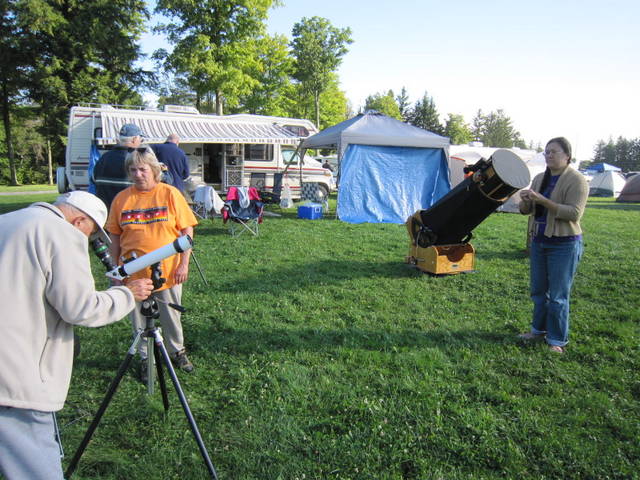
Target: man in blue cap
x=109, y=174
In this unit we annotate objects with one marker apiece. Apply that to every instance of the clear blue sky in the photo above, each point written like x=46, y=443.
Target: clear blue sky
x=563, y=67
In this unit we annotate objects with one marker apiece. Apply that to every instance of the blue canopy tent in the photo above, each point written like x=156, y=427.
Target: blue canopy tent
x=603, y=167
x=387, y=169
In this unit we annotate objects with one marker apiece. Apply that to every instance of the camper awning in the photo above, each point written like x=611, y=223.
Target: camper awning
x=194, y=129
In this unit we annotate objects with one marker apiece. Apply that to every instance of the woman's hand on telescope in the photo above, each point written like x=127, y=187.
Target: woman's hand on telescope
x=141, y=288
x=533, y=196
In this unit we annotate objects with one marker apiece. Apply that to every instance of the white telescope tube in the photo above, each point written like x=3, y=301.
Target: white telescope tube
x=179, y=245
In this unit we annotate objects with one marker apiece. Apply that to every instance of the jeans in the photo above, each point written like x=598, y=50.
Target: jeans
x=553, y=267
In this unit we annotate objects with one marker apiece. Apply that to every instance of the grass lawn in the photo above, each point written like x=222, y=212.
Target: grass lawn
x=320, y=355
x=28, y=188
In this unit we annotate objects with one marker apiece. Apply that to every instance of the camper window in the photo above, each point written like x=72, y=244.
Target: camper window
x=297, y=130
x=287, y=154
x=259, y=152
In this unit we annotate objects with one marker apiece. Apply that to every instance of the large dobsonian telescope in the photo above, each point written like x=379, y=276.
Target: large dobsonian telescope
x=440, y=235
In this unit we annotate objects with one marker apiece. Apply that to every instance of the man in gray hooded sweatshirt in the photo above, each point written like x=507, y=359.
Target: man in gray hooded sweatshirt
x=47, y=287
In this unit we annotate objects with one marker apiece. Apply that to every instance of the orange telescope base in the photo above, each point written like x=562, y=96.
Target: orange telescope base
x=443, y=259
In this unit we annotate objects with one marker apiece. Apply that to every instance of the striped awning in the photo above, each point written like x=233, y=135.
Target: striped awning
x=194, y=128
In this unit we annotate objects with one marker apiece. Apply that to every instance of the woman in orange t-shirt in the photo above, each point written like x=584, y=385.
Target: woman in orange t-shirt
x=144, y=217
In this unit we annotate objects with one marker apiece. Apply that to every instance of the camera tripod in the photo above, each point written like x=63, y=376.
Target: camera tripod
x=149, y=310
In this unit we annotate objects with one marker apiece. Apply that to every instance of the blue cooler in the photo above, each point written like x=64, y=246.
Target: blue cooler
x=310, y=211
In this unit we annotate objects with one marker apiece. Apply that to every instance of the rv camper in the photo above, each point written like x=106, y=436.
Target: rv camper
x=223, y=151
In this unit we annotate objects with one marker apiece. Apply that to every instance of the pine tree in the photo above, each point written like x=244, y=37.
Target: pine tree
x=425, y=115
x=403, y=104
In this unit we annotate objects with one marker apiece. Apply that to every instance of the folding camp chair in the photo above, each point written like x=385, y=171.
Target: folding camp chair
x=206, y=202
x=243, y=210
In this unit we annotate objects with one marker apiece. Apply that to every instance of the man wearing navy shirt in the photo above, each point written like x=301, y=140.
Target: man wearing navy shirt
x=175, y=159
x=109, y=175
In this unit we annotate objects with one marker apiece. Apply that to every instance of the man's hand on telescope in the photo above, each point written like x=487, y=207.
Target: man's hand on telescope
x=141, y=288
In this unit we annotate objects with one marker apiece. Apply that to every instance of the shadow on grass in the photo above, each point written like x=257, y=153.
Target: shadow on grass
x=19, y=202
x=517, y=254
x=251, y=341
x=274, y=281
x=630, y=207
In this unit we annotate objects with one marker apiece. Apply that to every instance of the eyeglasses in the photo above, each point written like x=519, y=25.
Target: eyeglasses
x=138, y=149
x=552, y=152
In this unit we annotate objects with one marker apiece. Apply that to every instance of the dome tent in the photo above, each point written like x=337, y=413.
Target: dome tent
x=387, y=169
x=631, y=190
x=606, y=184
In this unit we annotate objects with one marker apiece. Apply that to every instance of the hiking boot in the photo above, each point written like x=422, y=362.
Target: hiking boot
x=180, y=360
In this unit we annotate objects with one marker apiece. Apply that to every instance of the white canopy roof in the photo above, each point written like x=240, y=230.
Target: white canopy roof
x=374, y=128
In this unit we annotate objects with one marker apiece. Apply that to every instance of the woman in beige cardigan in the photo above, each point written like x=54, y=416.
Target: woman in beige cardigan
x=555, y=204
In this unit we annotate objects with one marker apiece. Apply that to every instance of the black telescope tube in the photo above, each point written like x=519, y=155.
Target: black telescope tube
x=454, y=216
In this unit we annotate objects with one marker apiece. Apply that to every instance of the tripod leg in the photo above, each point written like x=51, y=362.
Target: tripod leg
x=161, y=380
x=150, y=367
x=195, y=260
x=103, y=406
x=185, y=406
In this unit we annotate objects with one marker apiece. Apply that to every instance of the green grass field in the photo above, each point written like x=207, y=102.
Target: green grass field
x=28, y=188
x=320, y=355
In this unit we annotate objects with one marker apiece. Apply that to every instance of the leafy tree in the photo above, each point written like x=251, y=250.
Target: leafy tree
x=457, y=130
x=215, y=46
x=15, y=62
x=174, y=90
x=403, y=104
x=80, y=56
x=334, y=107
x=273, y=94
x=425, y=115
x=30, y=152
x=318, y=48
x=496, y=130
x=385, y=104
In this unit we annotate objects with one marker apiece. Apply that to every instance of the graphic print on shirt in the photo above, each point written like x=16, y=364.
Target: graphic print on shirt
x=144, y=216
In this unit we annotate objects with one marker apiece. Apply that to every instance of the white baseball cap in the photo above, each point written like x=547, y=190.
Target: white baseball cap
x=89, y=204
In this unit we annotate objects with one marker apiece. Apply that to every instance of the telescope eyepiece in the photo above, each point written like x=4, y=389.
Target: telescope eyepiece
x=101, y=250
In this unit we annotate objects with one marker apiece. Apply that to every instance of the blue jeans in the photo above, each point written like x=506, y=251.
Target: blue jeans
x=553, y=267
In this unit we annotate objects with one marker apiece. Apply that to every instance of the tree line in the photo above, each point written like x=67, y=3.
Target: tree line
x=494, y=129
x=622, y=153
x=56, y=54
